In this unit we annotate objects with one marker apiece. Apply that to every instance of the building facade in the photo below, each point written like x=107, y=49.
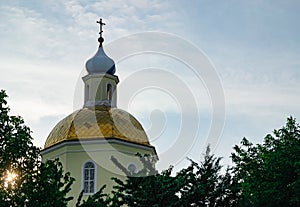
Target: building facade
x=86, y=140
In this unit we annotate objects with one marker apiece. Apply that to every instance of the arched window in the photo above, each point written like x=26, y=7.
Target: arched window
x=89, y=177
x=109, y=92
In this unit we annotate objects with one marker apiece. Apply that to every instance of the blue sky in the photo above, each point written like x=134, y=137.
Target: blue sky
x=253, y=45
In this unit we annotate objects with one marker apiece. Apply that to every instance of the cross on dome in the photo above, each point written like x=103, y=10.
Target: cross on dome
x=100, y=62
x=100, y=39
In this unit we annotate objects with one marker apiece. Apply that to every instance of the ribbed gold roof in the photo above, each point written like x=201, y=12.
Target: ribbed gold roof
x=98, y=123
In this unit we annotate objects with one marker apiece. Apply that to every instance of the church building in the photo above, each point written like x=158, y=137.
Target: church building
x=86, y=140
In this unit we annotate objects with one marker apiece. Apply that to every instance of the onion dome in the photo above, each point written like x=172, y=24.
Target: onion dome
x=101, y=122
x=100, y=63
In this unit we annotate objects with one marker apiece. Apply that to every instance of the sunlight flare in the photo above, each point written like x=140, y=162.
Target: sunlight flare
x=10, y=178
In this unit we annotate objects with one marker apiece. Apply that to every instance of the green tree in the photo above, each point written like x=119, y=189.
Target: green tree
x=99, y=199
x=204, y=185
x=24, y=179
x=268, y=174
x=197, y=185
x=146, y=187
x=51, y=185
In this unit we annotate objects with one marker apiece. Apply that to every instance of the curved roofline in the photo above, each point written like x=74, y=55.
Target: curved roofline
x=98, y=141
x=98, y=123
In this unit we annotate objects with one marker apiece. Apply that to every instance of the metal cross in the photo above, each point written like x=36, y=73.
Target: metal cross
x=100, y=24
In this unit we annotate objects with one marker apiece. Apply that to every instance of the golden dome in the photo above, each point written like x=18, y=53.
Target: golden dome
x=98, y=123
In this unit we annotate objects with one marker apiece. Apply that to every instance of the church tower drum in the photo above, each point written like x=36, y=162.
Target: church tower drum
x=100, y=83
x=85, y=140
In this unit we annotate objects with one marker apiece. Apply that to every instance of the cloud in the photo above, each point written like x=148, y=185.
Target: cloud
x=261, y=100
x=44, y=46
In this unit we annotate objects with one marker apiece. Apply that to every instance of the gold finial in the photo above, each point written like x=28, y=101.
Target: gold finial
x=100, y=39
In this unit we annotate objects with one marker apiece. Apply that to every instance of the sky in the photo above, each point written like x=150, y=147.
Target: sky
x=229, y=69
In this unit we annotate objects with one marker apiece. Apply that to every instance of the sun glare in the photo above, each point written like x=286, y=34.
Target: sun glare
x=10, y=178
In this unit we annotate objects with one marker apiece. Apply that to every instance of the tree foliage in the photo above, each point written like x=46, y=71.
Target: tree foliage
x=146, y=187
x=24, y=179
x=268, y=174
x=197, y=185
x=204, y=185
x=51, y=185
x=99, y=199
